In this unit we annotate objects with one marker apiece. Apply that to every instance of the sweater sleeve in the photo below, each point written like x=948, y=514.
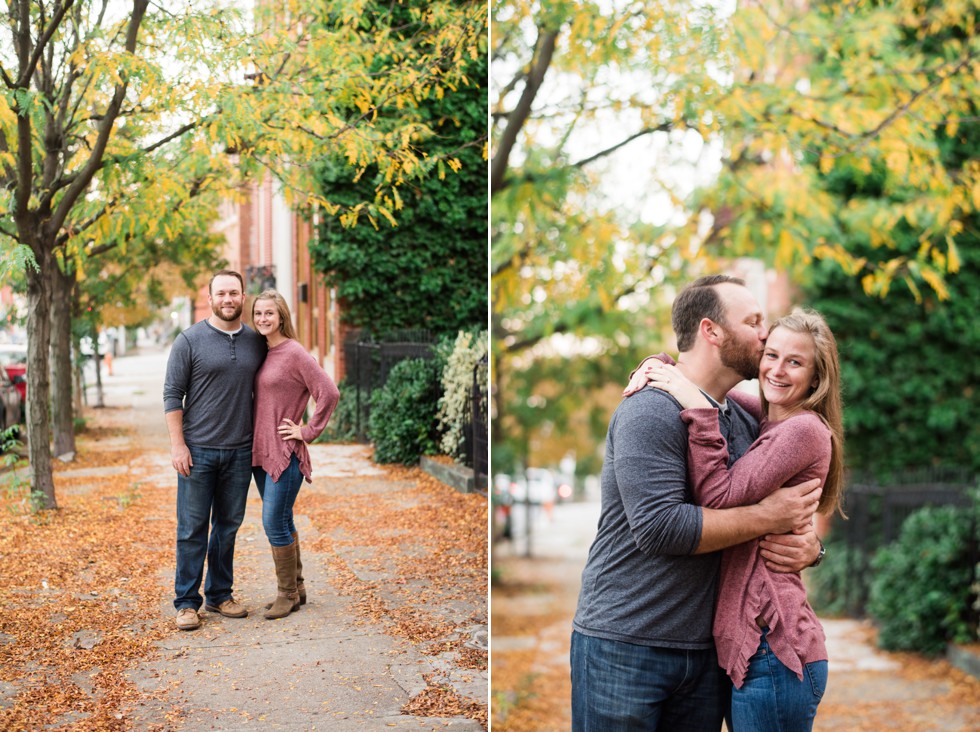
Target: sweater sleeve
x=325, y=394
x=178, y=374
x=649, y=463
x=779, y=454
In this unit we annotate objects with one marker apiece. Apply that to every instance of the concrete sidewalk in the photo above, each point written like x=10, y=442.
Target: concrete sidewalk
x=324, y=667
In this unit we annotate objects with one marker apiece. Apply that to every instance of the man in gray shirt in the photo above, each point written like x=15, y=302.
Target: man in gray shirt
x=207, y=398
x=642, y=653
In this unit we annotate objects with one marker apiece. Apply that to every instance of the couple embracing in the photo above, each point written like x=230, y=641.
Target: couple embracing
x=692, y=607
x=234, y=400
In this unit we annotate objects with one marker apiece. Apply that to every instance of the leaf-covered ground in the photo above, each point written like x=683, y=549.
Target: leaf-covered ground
x=430, y=545
x=81, y=587
x=533, y=601
x=80, y=592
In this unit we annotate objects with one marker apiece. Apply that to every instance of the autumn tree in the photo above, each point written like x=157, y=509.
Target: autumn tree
x=862, y=87
x=590, y=103
x=908, y=358
x=776, y=95
x=429, y=271
x=118, y=124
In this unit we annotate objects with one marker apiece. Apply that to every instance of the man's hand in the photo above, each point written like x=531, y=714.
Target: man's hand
x=792, y=508
x=180, y=456
x=790, y=552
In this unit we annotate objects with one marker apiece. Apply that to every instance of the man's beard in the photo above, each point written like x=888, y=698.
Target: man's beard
x=217, y=311
x=741, y=358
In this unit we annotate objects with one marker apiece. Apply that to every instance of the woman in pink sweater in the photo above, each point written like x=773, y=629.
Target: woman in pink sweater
x=284, y=384
x=768, y=638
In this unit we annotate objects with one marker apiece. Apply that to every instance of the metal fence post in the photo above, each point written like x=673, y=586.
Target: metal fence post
x=480, y=439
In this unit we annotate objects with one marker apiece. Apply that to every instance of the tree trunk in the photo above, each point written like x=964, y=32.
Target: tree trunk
x=39, y=289
x=62, y=411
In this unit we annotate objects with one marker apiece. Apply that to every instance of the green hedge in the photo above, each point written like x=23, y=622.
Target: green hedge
x=403, y=412
x=831, y=585
x=921, y=589
x=342, y=426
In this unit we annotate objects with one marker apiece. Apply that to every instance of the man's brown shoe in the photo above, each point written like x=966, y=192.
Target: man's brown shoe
x=229, y=608
x=188, y=619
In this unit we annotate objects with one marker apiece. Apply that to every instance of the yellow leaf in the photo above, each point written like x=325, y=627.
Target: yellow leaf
x=953, y=264
x=936, y=283
x=913, y=288
x=784, y=250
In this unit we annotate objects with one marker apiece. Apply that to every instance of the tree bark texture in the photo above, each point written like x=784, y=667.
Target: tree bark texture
x=38, y=385
x=62, y=412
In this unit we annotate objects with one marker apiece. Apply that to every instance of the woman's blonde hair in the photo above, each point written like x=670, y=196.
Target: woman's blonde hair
x=824, y=399
x=285, y=319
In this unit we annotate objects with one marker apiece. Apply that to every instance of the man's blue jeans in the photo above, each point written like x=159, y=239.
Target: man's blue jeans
x=620, y=687
x=278, y=499
x=773, y=699
x=214, y=493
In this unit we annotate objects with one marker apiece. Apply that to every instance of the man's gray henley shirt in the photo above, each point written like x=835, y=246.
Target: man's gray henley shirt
x=642, y=582
x=210, y=375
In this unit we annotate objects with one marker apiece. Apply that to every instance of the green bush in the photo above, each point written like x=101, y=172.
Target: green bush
x=831, y=585
x=920, y=593
x=403, y=412
x=342, y=426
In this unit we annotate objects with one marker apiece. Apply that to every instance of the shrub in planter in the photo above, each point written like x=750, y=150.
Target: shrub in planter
x=403, y=412
x=921, y=587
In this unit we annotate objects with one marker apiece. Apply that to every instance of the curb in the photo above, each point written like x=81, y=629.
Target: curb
x=457, y=476
x=965, y=658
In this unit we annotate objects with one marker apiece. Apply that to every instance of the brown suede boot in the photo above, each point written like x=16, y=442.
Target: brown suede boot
x=287, y=598
x=300, y=587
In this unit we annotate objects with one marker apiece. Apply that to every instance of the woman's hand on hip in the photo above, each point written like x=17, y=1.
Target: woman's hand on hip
x=289, y=430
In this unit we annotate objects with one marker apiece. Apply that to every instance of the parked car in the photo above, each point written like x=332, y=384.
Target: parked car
x=13, y=359
x=11, y=405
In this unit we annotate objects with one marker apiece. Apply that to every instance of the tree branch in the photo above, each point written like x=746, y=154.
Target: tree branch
x=563, y=325
x=27, y=71
x=665, y=127
x=94, y=162
x=544, y=51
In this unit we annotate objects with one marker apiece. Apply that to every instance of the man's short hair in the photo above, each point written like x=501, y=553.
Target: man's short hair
x=698, y=300
x=225, y=273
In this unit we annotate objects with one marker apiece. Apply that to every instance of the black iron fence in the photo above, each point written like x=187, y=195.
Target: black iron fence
x=478, y=453
x=876, y=510
x=370, y=358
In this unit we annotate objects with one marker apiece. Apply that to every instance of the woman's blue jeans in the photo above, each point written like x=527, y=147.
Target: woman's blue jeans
x=214, y=493
x=278, y=498
x=773, y=699
x=622, y=687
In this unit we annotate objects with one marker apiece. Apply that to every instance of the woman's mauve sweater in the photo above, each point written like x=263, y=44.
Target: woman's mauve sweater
x=786, y=453
x=283, y=387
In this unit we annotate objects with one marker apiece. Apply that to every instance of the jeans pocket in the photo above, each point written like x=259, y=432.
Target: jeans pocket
x=816, y=671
